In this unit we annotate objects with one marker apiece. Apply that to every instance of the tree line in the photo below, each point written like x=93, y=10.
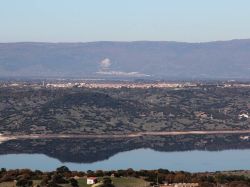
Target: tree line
x=62, y=175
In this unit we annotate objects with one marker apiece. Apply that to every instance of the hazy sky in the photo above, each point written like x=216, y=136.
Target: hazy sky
x=123, y=20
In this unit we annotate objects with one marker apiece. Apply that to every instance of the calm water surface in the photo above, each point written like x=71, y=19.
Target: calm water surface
x=193, y=161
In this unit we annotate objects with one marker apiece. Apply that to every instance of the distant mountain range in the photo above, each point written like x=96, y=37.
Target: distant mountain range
x=142, y=59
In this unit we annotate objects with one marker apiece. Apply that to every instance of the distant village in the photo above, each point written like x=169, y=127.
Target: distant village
x=118, y=84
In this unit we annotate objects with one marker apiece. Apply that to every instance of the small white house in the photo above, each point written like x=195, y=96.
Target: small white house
x=243, y=115
x=244, y=137
x=91, y=180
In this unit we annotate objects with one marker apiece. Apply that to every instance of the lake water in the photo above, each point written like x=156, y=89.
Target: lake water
x=193, y=161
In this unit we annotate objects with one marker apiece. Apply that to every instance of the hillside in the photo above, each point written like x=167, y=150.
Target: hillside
x=169, y=60
x=121, y=111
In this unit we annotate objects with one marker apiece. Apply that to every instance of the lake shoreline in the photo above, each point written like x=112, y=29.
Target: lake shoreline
x=4, y=138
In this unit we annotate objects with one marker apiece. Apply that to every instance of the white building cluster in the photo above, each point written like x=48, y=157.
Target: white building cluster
x=119, y=85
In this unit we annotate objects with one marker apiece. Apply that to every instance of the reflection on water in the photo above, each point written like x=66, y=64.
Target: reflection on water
x=193, y=161
x=172, y=152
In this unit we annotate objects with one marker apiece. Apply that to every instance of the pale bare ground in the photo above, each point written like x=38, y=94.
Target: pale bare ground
x=106, y=136
x=4, y=138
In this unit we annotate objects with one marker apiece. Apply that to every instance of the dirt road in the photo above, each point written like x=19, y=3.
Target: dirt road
x=131, y=135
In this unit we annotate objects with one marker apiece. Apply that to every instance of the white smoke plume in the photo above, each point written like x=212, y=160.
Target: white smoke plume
x=105, y=64
x=105, y=69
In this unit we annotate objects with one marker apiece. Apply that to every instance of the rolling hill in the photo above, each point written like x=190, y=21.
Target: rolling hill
x=169, y=60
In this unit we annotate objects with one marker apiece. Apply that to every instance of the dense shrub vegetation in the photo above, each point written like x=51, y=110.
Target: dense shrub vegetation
x=110, y=111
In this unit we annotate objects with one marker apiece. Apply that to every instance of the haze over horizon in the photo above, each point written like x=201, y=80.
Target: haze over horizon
x=132, y=41
x=168, y=60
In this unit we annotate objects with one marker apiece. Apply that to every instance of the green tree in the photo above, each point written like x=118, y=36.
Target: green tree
x=99, y=173
x=107, y=182
x=52, y=184
x=63, y=169
x=73, y=182
x=23, y=182
x=58, y=178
